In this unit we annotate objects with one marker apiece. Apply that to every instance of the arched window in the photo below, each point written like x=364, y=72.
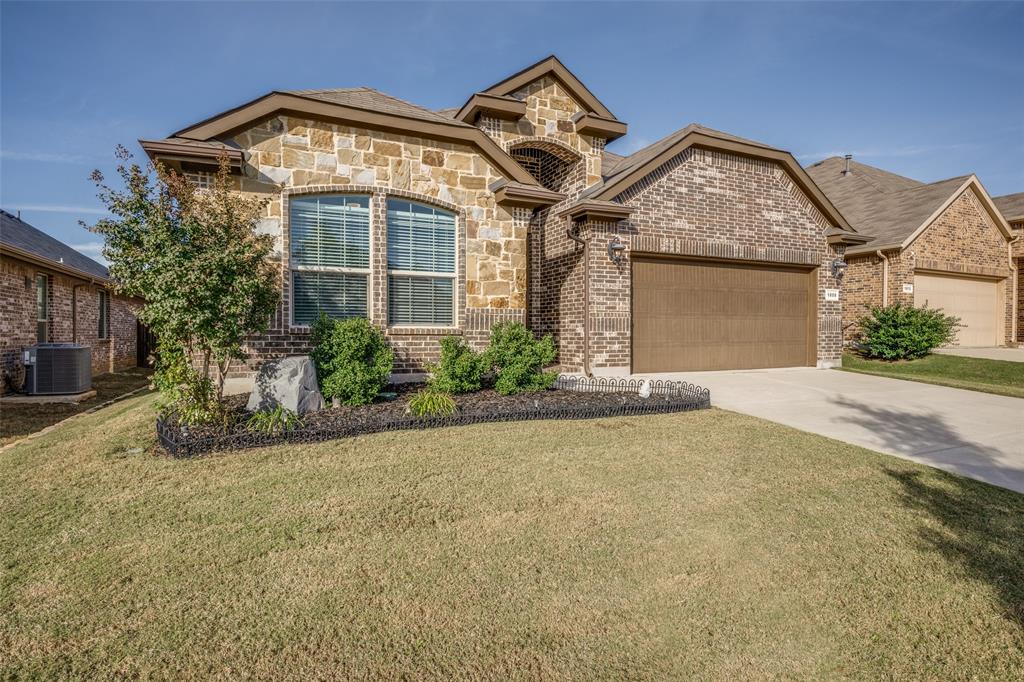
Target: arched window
x=421, y=264
x=329, y=256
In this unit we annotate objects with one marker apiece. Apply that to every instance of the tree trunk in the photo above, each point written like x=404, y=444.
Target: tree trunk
x=222, y=375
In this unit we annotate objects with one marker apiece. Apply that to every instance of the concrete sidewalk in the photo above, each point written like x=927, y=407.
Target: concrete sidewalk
x=1008, y=354
x=974, y=434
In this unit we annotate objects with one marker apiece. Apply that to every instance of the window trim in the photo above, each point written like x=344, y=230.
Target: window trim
x=293, y=267
x=454, y=275
x=103, y=332
x=45, y=320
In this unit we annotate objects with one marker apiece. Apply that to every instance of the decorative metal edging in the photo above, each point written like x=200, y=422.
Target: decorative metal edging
x=666, y=397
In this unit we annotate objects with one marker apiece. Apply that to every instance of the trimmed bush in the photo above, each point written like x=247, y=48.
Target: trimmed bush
x=353, y=361
x=460, y=370
x=520, y=359
x=903, y=332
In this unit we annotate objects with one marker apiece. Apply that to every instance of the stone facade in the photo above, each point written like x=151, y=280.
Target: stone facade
x=963, y=239
x=73, y=317
x=518, y=263
x=289, y=157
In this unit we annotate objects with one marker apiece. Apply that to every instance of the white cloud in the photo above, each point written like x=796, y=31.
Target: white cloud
x=43, y=157
x=57, y=208
x=93, y=250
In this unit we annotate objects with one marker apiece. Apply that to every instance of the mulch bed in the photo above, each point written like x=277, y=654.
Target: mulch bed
x=571, y=399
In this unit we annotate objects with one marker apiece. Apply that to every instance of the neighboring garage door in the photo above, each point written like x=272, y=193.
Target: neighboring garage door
x=696, y=315
x=974, y=301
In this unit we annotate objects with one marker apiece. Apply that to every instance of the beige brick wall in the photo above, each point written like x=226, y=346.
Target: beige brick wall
x=963, y=239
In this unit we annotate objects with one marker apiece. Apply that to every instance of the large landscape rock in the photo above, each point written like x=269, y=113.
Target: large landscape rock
x=289, y=382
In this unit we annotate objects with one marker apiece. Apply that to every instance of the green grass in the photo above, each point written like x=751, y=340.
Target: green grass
x=698, y=545
x=976, y=374
x=19, y=420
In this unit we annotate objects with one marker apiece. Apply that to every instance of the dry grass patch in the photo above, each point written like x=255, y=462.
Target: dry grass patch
x=20, y=420
x=704, y=544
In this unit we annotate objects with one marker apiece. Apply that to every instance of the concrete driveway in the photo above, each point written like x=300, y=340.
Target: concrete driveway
x=973, y=434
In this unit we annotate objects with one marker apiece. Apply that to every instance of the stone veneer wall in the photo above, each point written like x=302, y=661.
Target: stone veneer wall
x=18, y=320
x=962, y=240
x=287, y=157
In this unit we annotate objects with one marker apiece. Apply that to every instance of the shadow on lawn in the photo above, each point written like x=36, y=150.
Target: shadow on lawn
x=976, y=526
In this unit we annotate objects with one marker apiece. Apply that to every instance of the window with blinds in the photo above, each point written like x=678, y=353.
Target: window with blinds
x=330, y=256
x=421, y=264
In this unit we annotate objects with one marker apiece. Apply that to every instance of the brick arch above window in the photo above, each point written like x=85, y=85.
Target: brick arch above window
x=549, y=162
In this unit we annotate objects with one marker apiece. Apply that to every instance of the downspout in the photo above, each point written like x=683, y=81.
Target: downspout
x=586, y=294
x=1014, y=311
x=885, y=277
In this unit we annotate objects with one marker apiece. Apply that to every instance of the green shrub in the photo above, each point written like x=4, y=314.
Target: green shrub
x=520, y=359
x=271, y=422
x=460, y=370
x=903, y=332
x=432, y=403
x=184, y=390
x=353, y=361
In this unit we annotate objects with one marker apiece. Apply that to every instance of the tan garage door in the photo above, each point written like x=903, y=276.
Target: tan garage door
x=695, y=315
x=974, y=301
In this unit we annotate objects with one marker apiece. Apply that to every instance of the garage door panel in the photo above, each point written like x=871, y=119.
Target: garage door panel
x=690, y=315
x=974, y=301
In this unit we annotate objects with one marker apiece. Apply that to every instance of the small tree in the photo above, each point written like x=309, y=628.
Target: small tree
x=194, y=257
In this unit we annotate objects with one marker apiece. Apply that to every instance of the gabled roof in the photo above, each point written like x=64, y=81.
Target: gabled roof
x=551, y=66
x=1011, y=206
x=628, y=171
x=373, y=100
x=355, y=106
x=892, y=209
x=24, y=241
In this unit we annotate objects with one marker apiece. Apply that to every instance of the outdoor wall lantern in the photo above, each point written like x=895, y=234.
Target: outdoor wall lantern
x=615, y=250
x=839, y=268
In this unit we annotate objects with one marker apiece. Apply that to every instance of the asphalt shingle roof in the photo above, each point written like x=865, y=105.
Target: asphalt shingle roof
x=879, y=204
x=1010, y=205
x=16, y=233
x=375, y=100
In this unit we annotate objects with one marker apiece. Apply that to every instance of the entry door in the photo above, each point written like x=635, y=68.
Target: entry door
x=702, y=315
x=974, y=301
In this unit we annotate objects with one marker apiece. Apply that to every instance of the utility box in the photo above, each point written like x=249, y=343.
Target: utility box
x=57, y=368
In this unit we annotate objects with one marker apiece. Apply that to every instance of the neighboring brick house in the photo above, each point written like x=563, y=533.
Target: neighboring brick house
x=941, y=244
x=509, y=208
x=50, y=293
x=1012, y=208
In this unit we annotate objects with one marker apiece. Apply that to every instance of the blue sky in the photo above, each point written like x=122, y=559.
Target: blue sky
x=926, y=90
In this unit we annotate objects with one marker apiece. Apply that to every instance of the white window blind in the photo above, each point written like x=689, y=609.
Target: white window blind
x=421, y=264
x=330, y=256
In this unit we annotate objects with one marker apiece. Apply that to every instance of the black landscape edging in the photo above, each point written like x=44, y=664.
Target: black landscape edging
x=666, y=396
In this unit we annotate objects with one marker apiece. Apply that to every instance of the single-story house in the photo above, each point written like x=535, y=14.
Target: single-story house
x=1012, y=208
x=701, y=251
x=942, y=244
x=54, y=294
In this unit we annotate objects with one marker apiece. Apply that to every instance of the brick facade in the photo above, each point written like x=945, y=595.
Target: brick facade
x=519, y=263
x=963, y=239
x=73, y=317
x=701, y=203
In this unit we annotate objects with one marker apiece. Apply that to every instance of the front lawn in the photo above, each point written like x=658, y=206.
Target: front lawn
x=697, y=545
x=19, y=420
x=976, y=374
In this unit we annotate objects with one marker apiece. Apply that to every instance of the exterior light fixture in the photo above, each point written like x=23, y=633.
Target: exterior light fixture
x=615, y=250
x=839, y=268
